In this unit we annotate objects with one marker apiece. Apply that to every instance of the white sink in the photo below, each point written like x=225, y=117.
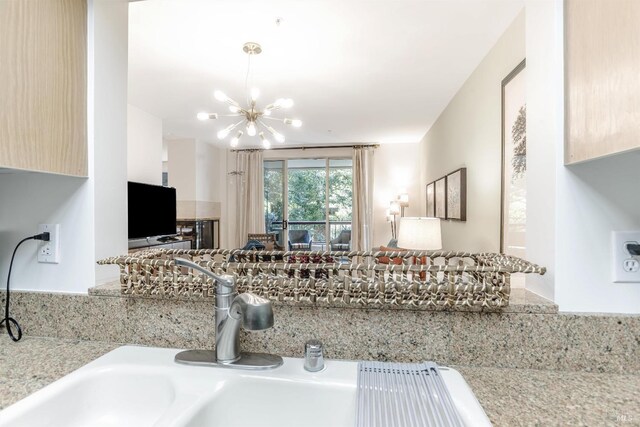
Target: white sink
x=141, y=386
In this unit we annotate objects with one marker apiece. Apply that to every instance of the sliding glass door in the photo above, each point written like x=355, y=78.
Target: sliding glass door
x=308, y=202
x=274, y=199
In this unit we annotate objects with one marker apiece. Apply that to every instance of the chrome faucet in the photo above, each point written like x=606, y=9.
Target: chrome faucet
x=233, y=311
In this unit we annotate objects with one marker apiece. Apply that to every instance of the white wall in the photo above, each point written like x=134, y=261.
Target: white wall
x=144, y=146
x=110, y=134
x=32, y=198
x=181, y=167
x=594, y=199
x=91, y=212
x=396, y=170
x=468, y=134
x=197, y=170
x=545, y=93
x=206, y=170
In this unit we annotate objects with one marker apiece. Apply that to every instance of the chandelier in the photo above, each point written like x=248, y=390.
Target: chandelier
x=253, y=118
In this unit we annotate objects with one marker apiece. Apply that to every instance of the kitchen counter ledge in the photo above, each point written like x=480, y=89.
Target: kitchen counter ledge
x=510, y=397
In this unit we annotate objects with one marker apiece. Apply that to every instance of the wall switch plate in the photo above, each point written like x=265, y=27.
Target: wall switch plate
x=49, y=252
x=626, y=267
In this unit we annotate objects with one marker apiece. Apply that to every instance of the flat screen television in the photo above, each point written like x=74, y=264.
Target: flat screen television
x=152, y=210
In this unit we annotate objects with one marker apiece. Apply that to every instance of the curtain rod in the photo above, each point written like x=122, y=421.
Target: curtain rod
x=313, y=147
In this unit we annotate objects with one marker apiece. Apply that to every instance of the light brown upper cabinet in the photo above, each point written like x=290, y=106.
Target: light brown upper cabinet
x=602, y=78
x=43, y=85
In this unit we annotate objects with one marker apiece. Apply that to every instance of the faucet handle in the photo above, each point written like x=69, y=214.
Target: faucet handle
x=313, y=356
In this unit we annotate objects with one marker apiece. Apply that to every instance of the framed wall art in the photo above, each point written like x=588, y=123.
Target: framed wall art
x=457, y=195
x=441, y=198
x=513, y=212
x=431, y=199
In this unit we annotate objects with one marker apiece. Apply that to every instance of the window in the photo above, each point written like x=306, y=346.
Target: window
x=309, y=194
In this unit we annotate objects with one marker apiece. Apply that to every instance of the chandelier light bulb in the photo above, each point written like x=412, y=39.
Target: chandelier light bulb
x=267, y=112
x=265, y=142
x=251, y=129
x=234, y=108
x=276, y=135
x=255, y=93
x=203, y=116
x=224, y=132
x=236, y=139
x=220, y=96
x=293, y=122
x=287, y=103
x=283, y=103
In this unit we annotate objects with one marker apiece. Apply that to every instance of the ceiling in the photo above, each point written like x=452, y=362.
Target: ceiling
x=358, y=71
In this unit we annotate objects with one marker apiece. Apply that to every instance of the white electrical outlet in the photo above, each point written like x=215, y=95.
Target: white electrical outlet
x=626, y=267
x=49, y=252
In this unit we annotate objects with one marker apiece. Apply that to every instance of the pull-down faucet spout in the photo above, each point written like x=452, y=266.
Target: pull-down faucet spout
x=250, y=311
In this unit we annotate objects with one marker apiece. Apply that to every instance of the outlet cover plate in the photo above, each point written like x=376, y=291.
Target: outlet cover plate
x=49, y=252
x=622, y=258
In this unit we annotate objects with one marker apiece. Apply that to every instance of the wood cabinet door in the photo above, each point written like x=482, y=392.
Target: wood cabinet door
x=43, y=85
x=602, y=78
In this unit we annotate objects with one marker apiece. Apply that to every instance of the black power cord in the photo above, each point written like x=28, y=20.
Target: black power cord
x=10, y=321
x=633, y=248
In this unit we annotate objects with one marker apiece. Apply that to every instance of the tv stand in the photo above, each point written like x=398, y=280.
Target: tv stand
x=158, y=242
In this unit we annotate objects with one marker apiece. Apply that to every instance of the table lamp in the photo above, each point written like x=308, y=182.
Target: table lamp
x=403, y=201
x=420, y=234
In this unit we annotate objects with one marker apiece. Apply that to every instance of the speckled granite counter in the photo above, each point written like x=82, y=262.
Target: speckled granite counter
x=510, y=397
x=32, y=363
x=520, y=300
x=536, y=338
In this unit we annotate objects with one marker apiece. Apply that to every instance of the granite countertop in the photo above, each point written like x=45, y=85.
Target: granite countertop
x=32, y=363
x=510, y=397
x=520, y=300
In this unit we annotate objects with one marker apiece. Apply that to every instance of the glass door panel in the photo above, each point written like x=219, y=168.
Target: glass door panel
x=340, y=203
x=274, y=200
x=307, y=188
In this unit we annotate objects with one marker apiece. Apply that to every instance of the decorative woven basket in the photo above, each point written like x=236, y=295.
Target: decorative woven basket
x=412, y=279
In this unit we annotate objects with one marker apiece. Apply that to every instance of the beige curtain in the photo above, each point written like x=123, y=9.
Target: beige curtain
x=362, y=216
x=250, y=197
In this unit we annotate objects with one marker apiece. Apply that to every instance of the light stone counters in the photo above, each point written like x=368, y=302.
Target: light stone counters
x=526, y=397
x=573, y=342
x=510, y=397
x=520, y=300
x=32, y=363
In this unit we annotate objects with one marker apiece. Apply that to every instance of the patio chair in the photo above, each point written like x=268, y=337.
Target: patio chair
x=267, y=239
x=342, y=242
x=300, y=240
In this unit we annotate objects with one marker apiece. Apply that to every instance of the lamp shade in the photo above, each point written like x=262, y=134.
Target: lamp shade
x=420, y=233
x=403, y=199
x=394, y=208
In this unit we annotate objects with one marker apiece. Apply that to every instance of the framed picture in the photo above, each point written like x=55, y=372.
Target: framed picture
x=441, y=198
x=457, y=195
x=513, y=212
x=431, y=199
